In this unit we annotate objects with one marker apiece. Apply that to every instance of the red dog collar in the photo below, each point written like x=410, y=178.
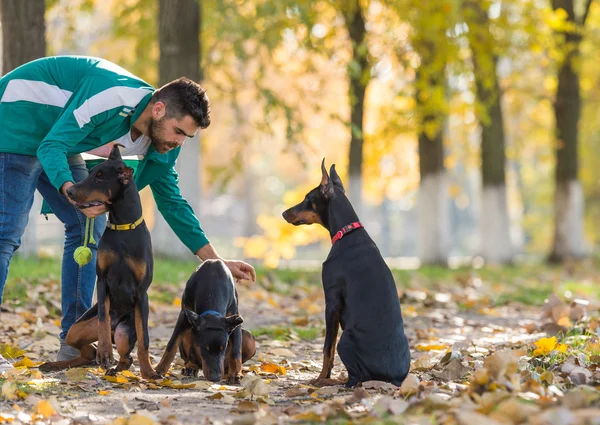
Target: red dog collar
x=346, y=229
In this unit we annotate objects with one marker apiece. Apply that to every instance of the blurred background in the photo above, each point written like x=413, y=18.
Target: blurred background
x=462, y=129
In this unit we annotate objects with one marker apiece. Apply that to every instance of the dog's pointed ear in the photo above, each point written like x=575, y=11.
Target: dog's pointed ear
x=115, y=153
x=125, y=175
x=335, y=178
x=326, y=187
x=195, y=320
x=233, y=322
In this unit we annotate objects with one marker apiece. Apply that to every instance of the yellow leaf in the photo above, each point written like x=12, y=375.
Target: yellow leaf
x=26, y=362
x=431, y=347
x=216, y=396
x=10, y=352
x=104, y=392
x=137, y=419
x=272, y=368
x=561, y=348
x=45, y=409
x=128, y=374
x=177, y=302
x=544, y=346
x=116, y=379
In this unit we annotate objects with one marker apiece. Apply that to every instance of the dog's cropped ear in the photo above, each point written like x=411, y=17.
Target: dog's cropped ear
x=326, y=187
x=125, y=175
x=195, y=320
x=233, y=322
x=115, y=153
x=335, y=178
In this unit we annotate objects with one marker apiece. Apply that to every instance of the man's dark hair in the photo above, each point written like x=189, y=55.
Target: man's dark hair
x=185, y=97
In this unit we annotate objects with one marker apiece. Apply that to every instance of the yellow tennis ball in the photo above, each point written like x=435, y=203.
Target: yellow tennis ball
x=82, y=255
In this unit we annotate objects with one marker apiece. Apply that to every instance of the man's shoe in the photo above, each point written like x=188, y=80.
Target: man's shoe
x=66, y=352
x=4, y=365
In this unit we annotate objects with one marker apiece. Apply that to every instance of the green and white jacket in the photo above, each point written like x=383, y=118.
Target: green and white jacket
x=60, y=106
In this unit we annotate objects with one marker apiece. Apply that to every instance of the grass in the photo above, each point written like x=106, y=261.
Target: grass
x=527, y=284
x=307, y=333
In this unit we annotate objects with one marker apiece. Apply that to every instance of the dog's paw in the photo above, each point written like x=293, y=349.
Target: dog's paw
x=105, y=361
x=234, y=380
x=47, y=367
x=112, y=372
x=189, y=371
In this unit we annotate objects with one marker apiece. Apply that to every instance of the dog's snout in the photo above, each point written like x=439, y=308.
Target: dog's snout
x=71, y=191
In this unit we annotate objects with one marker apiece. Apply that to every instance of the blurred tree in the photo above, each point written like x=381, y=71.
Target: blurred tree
x=23, y=40
x=179, y=33
x=494, y=221
x=569, y=239
x=359, y=75
x=431, y=23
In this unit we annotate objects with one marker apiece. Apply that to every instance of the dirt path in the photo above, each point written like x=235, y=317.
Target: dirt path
x=84, y=396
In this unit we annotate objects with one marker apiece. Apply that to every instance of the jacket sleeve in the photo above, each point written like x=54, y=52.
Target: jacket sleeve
x=69, y=129
x=177, y=211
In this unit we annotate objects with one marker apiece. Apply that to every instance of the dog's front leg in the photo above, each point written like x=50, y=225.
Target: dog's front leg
x=142, y=310
x=171, y=350
x=104, y=355
x=234, y=373
x=332, y=324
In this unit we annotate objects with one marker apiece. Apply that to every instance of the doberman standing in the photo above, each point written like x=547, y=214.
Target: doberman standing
x=124, y=268
x=360, y=293
x=208, y=331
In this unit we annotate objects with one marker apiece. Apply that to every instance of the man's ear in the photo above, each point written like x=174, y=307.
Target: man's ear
x=125, y=175
x=326, y=187
x=233, y=322
x=335, y=178
x=195, y=320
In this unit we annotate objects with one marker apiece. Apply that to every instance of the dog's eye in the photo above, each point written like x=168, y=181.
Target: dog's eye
x=99, y=175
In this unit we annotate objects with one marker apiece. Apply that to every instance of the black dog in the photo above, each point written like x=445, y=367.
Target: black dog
x=360, y=293
x=208, y=331
x=124, y=268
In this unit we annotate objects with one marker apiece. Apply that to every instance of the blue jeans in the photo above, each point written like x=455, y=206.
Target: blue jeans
x=20, y=175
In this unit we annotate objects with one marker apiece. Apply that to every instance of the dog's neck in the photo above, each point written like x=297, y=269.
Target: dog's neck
x=340, y=213
x=127, y=207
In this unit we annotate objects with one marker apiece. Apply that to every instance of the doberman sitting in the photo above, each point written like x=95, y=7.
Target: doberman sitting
x=124, y=268
x=208, y=331
x=360, y=293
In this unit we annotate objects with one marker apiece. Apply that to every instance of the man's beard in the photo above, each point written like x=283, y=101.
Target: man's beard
x=155, y=132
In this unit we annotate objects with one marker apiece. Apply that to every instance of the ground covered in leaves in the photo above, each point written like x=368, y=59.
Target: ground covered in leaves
x=489, y=346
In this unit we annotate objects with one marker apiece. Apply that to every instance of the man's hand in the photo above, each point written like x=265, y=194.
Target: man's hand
x=239, y=269
x=90, y=212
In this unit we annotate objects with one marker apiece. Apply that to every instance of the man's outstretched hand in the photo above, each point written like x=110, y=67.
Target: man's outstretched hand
x=241, y=270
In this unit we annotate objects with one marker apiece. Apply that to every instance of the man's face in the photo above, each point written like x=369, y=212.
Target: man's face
x=170, y=133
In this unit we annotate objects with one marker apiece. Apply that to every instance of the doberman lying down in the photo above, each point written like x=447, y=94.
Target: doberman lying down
x=124, y=268
x=360, y=293
x=208, y=331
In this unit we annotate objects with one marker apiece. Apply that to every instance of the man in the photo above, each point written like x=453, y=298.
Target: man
x=55, y=108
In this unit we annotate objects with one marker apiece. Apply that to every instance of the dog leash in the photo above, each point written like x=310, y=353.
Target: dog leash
x=346, y=229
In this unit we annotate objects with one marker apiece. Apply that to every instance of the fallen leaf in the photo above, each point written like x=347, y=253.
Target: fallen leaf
x=76, y=375
x=410, y=385
x=272, y=368
x=431, y=347
x=452, y=371
x=387, y=404
x=45, y=409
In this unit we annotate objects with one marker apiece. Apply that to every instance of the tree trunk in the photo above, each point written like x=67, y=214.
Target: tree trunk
x=569, y=242
x=359, y=74
x=433, y=201
x=23, y=40
x=496, y=246
x=179, y=44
